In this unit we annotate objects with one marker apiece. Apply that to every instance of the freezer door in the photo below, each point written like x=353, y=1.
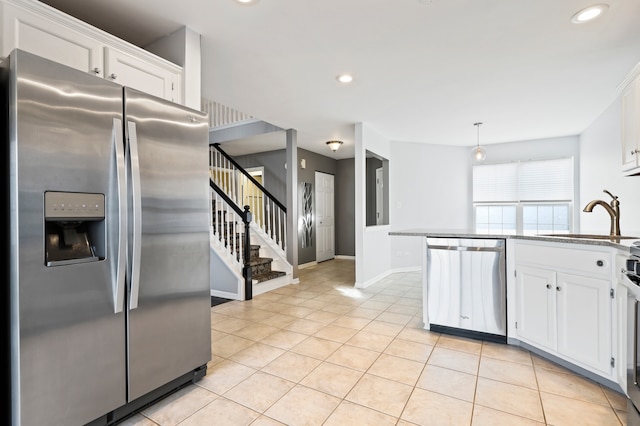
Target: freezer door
x=169, y=325
x=67, y=338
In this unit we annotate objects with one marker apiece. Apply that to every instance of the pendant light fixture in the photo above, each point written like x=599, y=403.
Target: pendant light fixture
x=479, y=154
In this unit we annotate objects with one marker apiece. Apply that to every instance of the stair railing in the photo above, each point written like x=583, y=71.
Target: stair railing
x=232, y=229
x=269, y=214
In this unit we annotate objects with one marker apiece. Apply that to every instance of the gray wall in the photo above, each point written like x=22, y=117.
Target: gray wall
x=274, y=171
x=344, y=179
x=345, y=207
x=314, y=163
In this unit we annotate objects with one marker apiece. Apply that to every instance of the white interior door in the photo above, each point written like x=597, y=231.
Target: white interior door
x=325, y=222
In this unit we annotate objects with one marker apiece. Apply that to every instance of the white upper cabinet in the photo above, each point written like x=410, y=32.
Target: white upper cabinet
x=134, y=72
x=37, y=28
x=631, y=127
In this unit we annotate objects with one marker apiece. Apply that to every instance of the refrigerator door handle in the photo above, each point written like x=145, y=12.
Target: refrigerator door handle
x=136, y=216
x=121, y=188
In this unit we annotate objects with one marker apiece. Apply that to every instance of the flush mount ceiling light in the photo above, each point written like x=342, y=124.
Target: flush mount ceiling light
x=247, y=2
x=589, y=14
x=345, y=78
x=479, y=154
x=334, y=145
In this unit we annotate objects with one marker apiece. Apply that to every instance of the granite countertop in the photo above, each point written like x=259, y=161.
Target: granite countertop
x=620, y=243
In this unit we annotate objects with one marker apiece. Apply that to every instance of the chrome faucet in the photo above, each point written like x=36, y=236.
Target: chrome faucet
x=613, y=209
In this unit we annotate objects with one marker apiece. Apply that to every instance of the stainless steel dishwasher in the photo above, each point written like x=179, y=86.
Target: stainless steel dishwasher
x=466, y=287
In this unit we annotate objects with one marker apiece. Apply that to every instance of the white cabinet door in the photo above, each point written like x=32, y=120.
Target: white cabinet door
x=142, y=75
x=49, y=39
x=584, y=320
x=536, y=306
x=631, y=127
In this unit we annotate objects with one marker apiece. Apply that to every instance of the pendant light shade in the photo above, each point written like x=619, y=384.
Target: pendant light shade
x=479, y=153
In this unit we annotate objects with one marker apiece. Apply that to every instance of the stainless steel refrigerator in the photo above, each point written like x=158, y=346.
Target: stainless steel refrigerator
x=109, y=301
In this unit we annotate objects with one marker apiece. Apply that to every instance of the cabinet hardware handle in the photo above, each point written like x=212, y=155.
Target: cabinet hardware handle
x=635, y=151
x=113, y=76
x=558, y=288
x=600, y=263
x=548, y=285
x=96, y=70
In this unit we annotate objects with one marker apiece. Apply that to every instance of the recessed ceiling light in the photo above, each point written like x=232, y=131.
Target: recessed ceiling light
x=247, y=2
x=345, y=78
x=589, y=14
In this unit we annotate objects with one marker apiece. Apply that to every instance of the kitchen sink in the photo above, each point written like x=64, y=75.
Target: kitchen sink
x=591, y=236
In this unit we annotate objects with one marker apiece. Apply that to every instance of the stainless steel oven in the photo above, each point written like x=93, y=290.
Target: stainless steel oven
x=632, y=271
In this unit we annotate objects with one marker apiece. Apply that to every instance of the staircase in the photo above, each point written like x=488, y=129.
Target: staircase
x=261, y=266
x=236, y=236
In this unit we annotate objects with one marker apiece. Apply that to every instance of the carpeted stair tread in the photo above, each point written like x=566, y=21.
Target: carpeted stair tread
x=260, y=261
x=265, y=276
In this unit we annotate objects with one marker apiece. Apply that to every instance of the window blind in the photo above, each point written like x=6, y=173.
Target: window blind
x=541, y=180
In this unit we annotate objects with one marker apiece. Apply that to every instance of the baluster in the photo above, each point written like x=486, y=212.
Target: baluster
x=226, y=176
x=228, y=230
x=230, y=237
x=216, y=170
x=267, y=221
x=274, y=211
x=254, y=205
x=234, y=195
x=216, y=230
x=279, y=234
x=240, y=243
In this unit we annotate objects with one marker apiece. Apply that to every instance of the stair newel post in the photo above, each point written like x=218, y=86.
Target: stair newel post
x=248, y=281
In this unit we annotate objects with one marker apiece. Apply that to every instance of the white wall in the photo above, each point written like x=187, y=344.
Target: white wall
x=373, y=242
x=182, y=47
x=429, y=188
x=601, y=165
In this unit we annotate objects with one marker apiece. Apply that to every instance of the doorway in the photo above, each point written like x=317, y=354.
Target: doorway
x=325, y=220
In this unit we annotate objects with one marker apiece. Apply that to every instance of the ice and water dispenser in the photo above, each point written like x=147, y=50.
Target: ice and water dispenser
x=74, y=228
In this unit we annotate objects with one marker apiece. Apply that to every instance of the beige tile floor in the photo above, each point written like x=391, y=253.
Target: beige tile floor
x=324, y=353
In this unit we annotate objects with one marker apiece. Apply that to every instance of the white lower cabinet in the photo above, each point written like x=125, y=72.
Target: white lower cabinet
x=584, y=320
x=564, y=313
x=536, y=306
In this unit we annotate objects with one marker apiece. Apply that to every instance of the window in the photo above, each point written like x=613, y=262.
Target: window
x=533, y=197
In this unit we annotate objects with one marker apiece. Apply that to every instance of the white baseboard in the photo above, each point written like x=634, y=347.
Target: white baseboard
x=308, y=264
x=225, y=295
x=407, y=269
x=342, y=256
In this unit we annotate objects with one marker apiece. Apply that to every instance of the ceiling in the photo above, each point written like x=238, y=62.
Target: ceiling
x=424, y=70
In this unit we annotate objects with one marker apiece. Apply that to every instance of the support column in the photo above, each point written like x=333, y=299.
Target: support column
x=292, y=200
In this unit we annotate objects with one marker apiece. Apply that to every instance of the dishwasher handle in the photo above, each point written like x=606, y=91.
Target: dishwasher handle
x=466, y=248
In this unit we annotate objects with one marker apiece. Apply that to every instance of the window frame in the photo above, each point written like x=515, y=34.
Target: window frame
x=520, y=204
